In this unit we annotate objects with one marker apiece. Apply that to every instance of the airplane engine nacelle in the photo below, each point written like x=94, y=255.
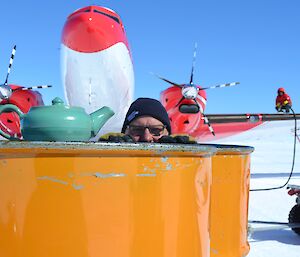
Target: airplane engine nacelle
x=185, y=117
x=24, y=99
x=96, y=63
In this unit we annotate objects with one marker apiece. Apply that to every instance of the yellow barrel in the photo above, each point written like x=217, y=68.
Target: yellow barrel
x=229, y=201
x=102, y=199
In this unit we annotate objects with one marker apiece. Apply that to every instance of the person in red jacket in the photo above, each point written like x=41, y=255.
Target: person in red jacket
x=283, y=101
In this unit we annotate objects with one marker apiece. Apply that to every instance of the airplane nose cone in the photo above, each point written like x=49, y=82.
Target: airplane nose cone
x=5, y=92
x=92, y=31
x=189, y=92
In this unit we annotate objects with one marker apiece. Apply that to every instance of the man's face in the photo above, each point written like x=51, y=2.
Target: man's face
x=146, y=129
x=280, y=93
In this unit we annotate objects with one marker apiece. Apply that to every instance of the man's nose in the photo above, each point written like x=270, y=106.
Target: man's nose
x=147, y=137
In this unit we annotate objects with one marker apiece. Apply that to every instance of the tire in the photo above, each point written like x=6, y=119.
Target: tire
x=294, y=217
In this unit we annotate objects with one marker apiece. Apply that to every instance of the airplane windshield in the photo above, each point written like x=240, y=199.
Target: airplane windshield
x=108, y=15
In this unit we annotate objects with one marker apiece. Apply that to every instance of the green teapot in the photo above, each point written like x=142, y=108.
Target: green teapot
x=58, y=122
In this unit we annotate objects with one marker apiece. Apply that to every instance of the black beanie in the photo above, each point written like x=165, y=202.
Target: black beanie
x=147, y=107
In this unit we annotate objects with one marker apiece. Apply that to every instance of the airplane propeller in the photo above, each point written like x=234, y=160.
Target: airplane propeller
x=5, y=89
x=190, y=91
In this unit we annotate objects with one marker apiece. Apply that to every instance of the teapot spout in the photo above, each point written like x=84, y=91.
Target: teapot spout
x=99, y=118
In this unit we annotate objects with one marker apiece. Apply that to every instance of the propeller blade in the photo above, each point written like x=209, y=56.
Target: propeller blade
x=179, y=101
x=193, y=64
x=205, y=119
x=172, y=83
x=221, y=85
x=208, y=124
x=33, y=87
x=168, y=81
x=10, y=63
x=200, y=107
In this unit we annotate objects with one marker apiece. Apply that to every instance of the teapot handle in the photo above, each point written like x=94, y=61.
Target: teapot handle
x=10, y=108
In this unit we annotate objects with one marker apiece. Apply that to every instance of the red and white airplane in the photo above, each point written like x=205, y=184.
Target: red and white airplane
x=97, y=70
x=185, y=104
x=96, y=63
x=97, y=67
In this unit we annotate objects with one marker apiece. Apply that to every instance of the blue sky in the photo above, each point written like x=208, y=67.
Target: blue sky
x=254, y=42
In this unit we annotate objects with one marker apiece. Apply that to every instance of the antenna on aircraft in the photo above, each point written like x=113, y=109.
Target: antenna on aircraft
x=5, y=89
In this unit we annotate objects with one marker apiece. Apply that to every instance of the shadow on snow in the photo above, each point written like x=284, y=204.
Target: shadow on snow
x=285, y=236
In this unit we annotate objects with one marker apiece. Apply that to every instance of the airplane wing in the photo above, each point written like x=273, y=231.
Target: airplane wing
x=225, y=125
x=252, y=118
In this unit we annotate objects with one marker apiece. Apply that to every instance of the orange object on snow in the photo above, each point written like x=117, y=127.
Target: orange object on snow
x=229, y=201
x=102, y=199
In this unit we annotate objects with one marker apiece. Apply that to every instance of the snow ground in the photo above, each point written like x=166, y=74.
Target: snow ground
x=270, y=166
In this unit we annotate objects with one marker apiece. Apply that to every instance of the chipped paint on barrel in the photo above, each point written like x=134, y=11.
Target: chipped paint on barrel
x=104, y=199
x=229, y=201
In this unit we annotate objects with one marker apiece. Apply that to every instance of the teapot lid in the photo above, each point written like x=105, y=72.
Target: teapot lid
x=57, y=101
x=58, y=105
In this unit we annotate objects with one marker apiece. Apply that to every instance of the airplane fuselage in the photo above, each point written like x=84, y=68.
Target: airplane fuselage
x=96, y=63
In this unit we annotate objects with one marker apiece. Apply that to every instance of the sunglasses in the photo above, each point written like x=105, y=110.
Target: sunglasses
x=140, y=130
